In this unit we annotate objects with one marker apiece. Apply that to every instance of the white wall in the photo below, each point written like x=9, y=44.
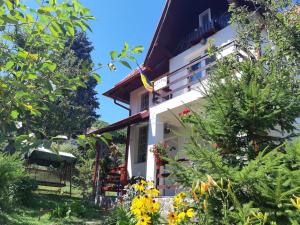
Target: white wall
x=220, y=38
x=155, y=133
x=134, y=168
x=135, y=100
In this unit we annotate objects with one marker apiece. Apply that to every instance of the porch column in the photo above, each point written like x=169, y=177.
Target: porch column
x=155, y=135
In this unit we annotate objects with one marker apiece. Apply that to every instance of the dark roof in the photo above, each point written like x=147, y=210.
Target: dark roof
x=179, y=18
x=121, y=91
x=137, y=118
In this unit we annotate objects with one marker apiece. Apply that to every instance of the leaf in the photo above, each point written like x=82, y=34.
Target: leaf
x=107, y=136
x=9, y=5
x=49, y=65
x=31, y=76
x=97, y=78
x=137, y=49
x=125, y=63
x=126, y=46
x=9, y=65
x=113, y=55
x=70, y=28
x=14, y=114
x=46, y=9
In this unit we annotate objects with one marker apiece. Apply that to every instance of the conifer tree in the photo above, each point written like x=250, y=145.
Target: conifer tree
x=242, y=136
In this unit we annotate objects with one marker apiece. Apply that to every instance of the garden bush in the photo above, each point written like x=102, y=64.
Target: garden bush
x=23, y=188
x=11, y=172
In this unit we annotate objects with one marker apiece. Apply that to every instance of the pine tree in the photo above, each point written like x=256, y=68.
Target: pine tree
x=75, y=110
x=252, y=100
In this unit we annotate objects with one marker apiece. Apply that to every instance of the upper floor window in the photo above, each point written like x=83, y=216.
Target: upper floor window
x=205, y=18
x=145, y=101
x=199, y=69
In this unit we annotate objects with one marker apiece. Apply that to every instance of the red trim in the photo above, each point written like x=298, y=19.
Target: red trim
x=127, y=80
x=139, y=117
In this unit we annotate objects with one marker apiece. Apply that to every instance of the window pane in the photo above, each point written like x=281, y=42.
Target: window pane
x=142, y=144
x=145, y=101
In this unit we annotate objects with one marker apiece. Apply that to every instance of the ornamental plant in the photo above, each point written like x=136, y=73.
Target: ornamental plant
x=160, y=151
x=246, y=135
x=138, y=206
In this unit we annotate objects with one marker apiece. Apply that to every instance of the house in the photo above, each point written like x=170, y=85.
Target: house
x=177, y=62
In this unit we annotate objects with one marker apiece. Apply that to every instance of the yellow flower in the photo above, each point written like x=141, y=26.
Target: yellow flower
x=179, y=198
x=137, y=212
x=204, y=188
x=296, y=202
x=172, y=218
x=139, y=187
x=180, y=217
x=143, y=182
x=150, y=183
x=211, y=181
x=152, y=192
x=190, y=213
x=137, y=202
x=155, y=206
x=144, y=220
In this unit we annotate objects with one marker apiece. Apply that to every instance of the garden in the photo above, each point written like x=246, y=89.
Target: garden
x=243, y=148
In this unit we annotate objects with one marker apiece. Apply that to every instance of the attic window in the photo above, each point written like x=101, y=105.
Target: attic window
x=205, y=18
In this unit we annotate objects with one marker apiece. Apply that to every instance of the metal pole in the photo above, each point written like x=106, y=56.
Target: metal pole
x=71, y=180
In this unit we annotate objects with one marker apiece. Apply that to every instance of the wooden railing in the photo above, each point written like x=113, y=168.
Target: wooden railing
x=183, y=79
x=115, y=181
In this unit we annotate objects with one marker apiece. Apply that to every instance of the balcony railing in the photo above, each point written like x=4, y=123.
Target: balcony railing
x=187, y=77
x=217, y=23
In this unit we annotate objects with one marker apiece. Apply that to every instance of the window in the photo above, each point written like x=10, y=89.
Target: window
x=142, y=144
x=197, y=70
x=205, y=18
x=145, y=101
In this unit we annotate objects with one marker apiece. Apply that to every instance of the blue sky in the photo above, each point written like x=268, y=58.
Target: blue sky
x=117, y=21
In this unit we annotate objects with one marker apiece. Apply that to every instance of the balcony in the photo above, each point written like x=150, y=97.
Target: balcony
x=186, y=78
x=217, y=23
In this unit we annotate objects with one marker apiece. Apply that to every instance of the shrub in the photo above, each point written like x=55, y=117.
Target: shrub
x=11, y=171
x=138, y=207
x=62, y=210
x=22, y=189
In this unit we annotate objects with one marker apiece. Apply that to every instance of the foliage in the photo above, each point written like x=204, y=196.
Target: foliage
x=38, y=210
x=73, y=105
x=160, y=150
x=138, y=206
x=11, y=171
x=252, y=95
x=242, y=138
x=23, y=188
x=38, y=67
x=30, y=76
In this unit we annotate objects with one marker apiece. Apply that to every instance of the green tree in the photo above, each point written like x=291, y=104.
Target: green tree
x=74, y=105
x=250, y=111
x=30, y=76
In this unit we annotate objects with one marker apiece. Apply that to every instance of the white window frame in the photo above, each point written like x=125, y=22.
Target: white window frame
x=142, y=103
x=201, y=15
x=138, y=160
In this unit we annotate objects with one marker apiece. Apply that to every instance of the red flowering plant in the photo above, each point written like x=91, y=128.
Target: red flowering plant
x=186, y=111
x=187, y=116
x=160, y=151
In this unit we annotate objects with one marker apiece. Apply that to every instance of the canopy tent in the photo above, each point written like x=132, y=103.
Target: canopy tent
x=46, y=157
x=49, y=168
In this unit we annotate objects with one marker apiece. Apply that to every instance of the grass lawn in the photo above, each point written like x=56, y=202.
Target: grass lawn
x=38, y=212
